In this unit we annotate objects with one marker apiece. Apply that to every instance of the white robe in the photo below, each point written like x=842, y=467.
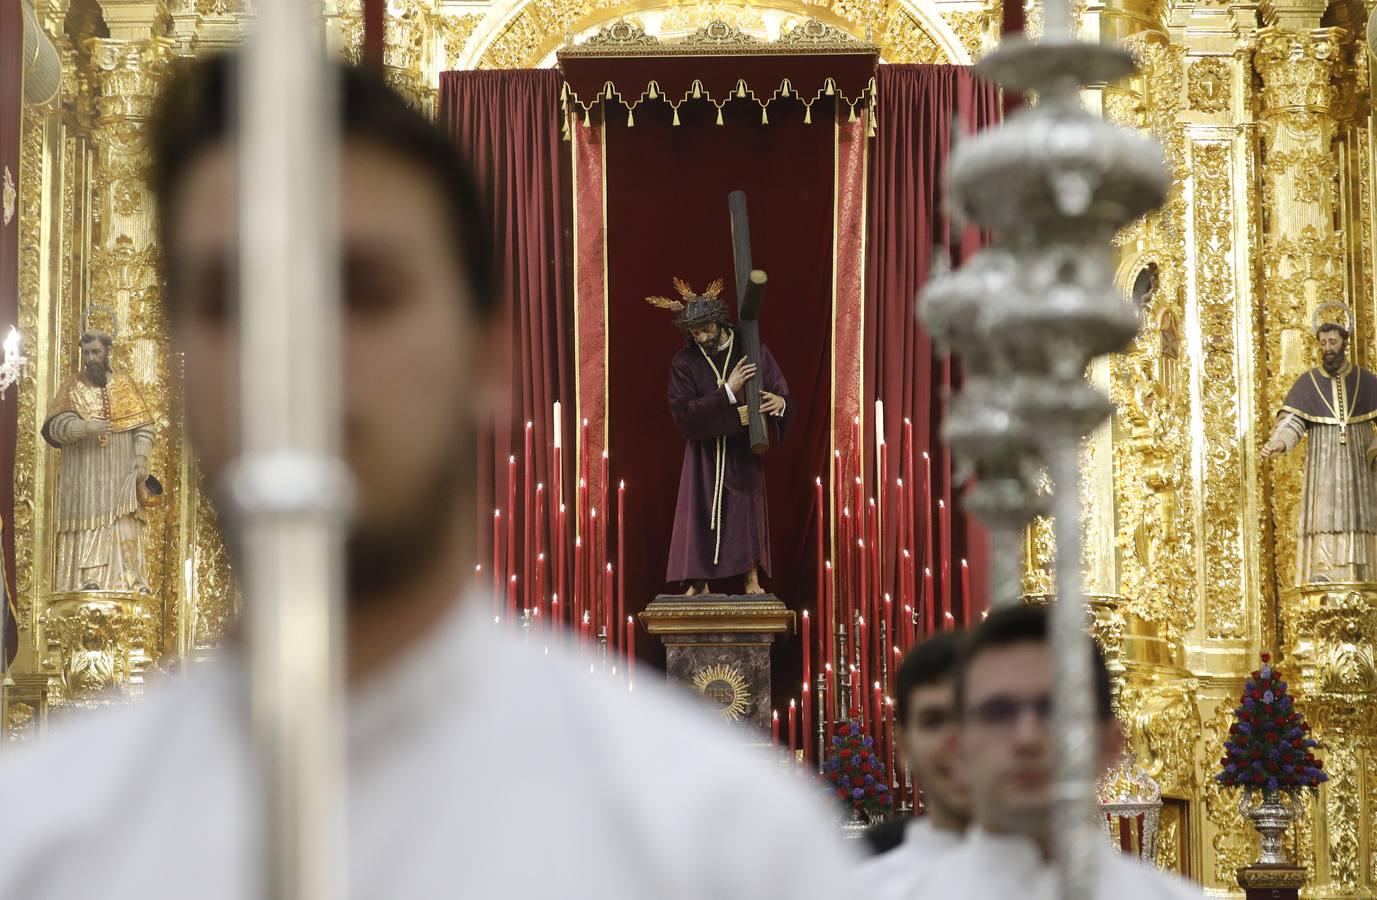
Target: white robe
x=893, y=875
x=477, y=768
x=987, y=866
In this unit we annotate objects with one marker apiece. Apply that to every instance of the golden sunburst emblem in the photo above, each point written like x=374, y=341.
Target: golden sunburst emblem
x=725, y=688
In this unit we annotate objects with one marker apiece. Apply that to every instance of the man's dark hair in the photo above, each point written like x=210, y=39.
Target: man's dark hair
x=196, y=112
x=931, y=662
x=1020, y=625
x=1333, y=326
x=106, y=341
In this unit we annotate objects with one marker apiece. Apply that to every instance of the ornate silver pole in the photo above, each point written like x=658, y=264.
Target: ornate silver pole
x=1054, y=182
x=289, y=487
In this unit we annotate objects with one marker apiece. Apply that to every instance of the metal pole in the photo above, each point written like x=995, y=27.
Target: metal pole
x=289, y=486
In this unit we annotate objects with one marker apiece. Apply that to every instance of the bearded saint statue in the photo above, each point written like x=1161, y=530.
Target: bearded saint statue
x=103, y=428
x=1334, y=404
x=721, y=525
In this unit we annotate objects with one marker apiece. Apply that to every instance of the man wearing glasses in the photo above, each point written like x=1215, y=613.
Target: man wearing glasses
x=1005, y=756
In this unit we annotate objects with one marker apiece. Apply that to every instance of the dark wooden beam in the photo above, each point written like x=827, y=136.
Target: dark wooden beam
x=374, y=11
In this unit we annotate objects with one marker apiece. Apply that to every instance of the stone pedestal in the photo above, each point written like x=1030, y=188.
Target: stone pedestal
x=1271, y=882
x=720, y=646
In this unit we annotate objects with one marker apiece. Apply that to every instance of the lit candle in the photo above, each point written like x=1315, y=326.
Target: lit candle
x=587, y=629
x=528, y=501
x=512, y=604
x=906, y=594
x=944, y=534
x=793, y=734
x=818, y=594
x=584, y=449
x=497, y=558
x=967, y=599
x=930, y=602
x=607, y=607
x=861, y=644
x=11, y=344
x=774, y=727
x=877, y=718
x=630, y=649
x=829, y=622
x=889, y=620
x=855, y=693
x=621, y=555
x=930, y=558
x=595, y=583
x=562, y=561
x=830, y=704
x=539, y=591
x=807, y=648
x=806, y=735
x=864, y=607
x=889, y=740
x=578, y=609
x=949, y=621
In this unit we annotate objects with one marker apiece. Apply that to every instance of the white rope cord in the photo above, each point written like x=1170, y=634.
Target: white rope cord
x=720, y=467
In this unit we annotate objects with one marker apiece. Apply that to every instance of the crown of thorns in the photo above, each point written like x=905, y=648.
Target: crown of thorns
x=695, y=310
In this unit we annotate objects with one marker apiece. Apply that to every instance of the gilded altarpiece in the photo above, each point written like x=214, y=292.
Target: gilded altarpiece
x=1263, y=115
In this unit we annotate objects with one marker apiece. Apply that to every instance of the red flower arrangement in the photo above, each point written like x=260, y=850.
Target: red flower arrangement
x=855, y=775
x=1269, y=745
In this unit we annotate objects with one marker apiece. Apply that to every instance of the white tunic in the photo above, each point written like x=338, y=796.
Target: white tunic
x=893, y=875
x=477, y=768
x=989, y=865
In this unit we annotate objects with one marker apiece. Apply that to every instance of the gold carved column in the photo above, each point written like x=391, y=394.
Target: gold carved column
x=1327, y=631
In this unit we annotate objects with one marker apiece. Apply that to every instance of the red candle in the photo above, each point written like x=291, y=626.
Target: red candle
x=862, y=643
x=793, y=734
x=807, y=648
x=562, y=561
x=497, y=559
x=607, y=605
x=967, y=600
x=581, y=579
x=512, y=604
x=930, y=558
x=829, y=621
x=948, y=622
x=539, y=592
x=845, y=568
x=806, y=735
x=578, y=610
x=906, y=593
x=527, y=502
x=774, y=727
x=630, y=651
x=864, y=607
x=621, y=552
x=584, y=449
x=889, y=740
x=876, y=576
x=587, y=630
x=591, y=557
x=889, y=626
x=855, y=693
x=830, y=704
x=929, y=600
x=877, y=717
x=944, y=534
x=817, y=525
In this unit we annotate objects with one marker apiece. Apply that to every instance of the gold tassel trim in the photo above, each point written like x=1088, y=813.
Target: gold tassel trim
x=631, y=118
x=808, y=114
x=719, y=115
x=867, y=101
x=764, y=116
x=676, y=115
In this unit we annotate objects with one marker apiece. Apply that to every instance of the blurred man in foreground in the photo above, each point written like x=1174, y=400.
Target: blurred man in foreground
x=474, y=767
x=927, y=715
x=1006, y=759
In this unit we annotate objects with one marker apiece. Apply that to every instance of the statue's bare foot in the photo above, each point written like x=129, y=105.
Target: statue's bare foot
x=697, y=588
x=753, y=582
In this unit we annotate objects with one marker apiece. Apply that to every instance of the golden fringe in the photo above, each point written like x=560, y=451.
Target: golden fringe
x=609, y=93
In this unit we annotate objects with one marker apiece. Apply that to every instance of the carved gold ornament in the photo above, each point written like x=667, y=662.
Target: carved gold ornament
x=8, y=196
x=725, y=688
x=1208, y=85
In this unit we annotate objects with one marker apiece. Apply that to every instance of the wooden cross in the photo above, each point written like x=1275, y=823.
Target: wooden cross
x=750, y=295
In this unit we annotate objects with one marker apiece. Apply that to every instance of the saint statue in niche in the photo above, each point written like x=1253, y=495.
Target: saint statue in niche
x=1334, y=405
x=104, y=431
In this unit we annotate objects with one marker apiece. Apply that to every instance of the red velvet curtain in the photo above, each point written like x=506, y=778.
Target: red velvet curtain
x=667, y=215
x=920, y=106
x=507, y=122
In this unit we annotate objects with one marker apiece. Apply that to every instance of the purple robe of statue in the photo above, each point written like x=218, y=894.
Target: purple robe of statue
x=703, y=413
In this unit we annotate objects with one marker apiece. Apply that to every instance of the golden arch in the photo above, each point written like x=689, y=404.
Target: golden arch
x=523, y=33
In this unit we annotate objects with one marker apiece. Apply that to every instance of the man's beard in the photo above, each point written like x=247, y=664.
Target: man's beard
x=1333, y=363
x=386, y=557
x=98, y=374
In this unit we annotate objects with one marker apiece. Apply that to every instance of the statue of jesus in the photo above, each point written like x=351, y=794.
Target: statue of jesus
x=105, y=432
x=721, y=524
x=1335, y=405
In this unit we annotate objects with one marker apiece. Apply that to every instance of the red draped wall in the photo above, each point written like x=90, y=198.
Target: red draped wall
x=667, y=215
x=907, y=218
x=508, y=124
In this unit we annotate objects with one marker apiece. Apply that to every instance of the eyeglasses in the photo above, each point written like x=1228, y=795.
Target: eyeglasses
x=1005, y=712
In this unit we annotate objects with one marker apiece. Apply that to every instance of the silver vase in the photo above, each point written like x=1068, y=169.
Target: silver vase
x=1271, y=813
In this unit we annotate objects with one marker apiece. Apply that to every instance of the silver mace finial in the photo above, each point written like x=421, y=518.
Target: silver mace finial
x=1054, y=182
